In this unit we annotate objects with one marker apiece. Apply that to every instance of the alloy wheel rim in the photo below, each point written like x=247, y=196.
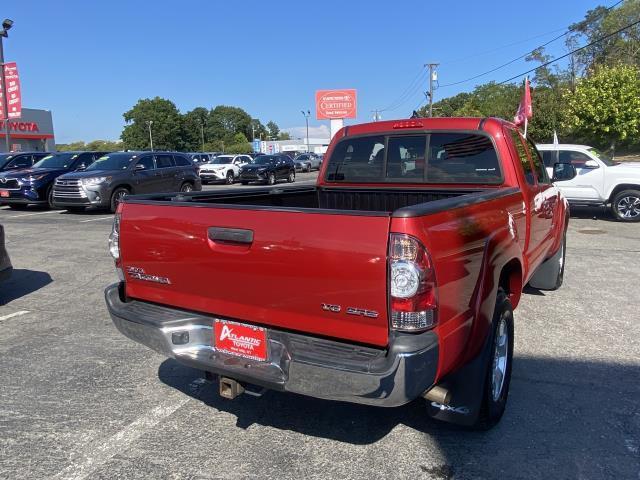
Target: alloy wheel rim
x=500, y=359
x=120, y=196
x=187, y=188
x=629, y=206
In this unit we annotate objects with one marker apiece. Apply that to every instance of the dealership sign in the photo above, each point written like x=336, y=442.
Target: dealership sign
x=12, y=88
x=335, y=104
x=20, y=126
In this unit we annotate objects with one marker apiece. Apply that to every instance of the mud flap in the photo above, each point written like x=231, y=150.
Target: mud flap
x=546, y=275
x=467, y=390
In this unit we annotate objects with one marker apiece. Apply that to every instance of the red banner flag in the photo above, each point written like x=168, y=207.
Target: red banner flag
x=12, y=87
x=525, y=109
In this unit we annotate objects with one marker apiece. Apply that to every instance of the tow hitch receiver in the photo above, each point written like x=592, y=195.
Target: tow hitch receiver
x=230, y=388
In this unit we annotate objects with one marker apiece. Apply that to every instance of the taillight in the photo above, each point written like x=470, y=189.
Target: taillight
x=412, y=285
x=114, y=244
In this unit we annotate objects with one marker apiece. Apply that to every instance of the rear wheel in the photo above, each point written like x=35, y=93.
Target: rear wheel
x=292, y=177
x=230, y=178
x=186, y=187
x=116, y=198
x=244, y=183
x=271, y=179
x=50, y=197
x=626, y=206
x=496, y=389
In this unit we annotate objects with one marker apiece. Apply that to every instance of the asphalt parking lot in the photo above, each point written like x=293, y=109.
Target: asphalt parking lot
x=79, y=400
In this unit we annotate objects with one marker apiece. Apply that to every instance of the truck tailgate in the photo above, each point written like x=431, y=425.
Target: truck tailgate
x=295, y=262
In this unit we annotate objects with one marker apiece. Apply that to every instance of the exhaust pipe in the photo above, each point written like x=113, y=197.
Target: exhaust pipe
x=229, y=388
x=438, y=394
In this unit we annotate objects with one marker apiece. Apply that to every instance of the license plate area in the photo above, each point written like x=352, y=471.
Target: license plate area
x=4, y=193
x=240, y=340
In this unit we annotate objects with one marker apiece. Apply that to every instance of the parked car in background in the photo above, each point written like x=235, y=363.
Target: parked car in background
x=19, y=160
x=255, y=155
x=198, y=157
x=223, y=168
x=34, y=186
x=401, y=282
x=104, y=183
x=269, y=169
x=5, y=263
x=307, y=161
x=599, y=181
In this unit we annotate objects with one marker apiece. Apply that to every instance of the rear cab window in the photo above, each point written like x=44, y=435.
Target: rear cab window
x=435, y=157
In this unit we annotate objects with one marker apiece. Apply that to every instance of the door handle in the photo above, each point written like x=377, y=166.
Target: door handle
x=230, y=236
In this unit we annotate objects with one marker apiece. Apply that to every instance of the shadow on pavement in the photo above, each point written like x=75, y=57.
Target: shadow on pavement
x=565, y=419
x=22, y=282
x=594, y=213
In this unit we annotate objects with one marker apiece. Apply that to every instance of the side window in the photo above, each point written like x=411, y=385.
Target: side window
x=21, y=161
x=524, y=159
x=405, y=157
x=577, y=159
x=549, y=157
x=182, y=161
x=164, y=161
x=147, y=162
x=537, y=162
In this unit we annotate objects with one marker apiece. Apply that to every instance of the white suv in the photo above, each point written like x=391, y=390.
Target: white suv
x=599, y=180
x=223, y=168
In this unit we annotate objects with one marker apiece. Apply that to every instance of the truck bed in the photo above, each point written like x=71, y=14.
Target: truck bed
x=374, y=201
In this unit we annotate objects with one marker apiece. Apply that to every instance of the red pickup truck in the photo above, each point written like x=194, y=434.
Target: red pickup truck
x=393, y=278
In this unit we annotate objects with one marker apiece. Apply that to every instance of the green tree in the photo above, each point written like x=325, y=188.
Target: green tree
x=240, y=144
x=195, y=125
x=225, y=122
x=71, y=147
x=273, y=129
x=167, y=126
x=604, y=109
x=104, y=146
x=284, y=136
x=259, y=130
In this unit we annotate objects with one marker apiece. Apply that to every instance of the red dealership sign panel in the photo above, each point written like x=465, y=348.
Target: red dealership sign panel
x=332, y=104
x=12, y=87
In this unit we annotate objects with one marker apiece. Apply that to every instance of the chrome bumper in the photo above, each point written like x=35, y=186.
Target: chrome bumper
x=297, y=363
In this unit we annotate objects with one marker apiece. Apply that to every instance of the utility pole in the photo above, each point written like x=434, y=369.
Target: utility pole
x=376, y=115
x=202, y=133
x=307, y=114
x=6, y=25
x=433, y=76
x=149, y=123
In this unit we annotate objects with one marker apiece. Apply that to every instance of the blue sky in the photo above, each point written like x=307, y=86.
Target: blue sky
x=90, y=61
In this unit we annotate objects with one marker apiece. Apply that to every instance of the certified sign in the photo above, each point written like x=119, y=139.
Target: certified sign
x=333, y=104
x=12, y=87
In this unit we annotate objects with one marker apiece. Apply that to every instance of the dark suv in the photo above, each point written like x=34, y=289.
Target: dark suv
x=268, y=169
x=118, y=174
x=19, y=160
x=34, y=186
x=5, y=263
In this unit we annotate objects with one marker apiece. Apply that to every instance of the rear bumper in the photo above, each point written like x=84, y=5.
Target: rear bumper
x=296, y=363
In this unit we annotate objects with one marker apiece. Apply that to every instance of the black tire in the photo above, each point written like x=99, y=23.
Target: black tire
x=496, y=392
x=186, y=187
x=271, y=179
x=204, y=182
x=563, y=261
x=626, y=206
x=292, y=176
x=308, y=168
x=230, y=178
x=244, y=183
x=50, y=197
x=116, y=196
x=18, y=206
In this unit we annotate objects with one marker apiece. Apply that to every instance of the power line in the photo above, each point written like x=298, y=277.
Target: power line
x=499, y=67
x=407, y=93
x=572, y=52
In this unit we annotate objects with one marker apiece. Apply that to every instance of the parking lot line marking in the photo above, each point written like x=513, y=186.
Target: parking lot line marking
x=37, y=213
x=97, y=455
x=96, y=219
x=14, y=314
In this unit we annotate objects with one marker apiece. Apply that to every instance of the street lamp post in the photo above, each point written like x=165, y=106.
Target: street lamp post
x=202, y=133
x=6, y=26
x=307, y=114
x=149, y=123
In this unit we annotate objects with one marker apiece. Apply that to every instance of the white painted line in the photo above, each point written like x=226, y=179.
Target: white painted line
x=14, y=314
x=96, y=219
x=37, y=213
x=94, y=456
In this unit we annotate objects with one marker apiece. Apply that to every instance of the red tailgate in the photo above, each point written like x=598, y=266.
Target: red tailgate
x=293, y=263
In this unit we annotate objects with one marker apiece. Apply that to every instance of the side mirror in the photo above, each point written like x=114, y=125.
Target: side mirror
x=139, y=167
x=563, y=172
x=591, y=164
x=81, y=167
